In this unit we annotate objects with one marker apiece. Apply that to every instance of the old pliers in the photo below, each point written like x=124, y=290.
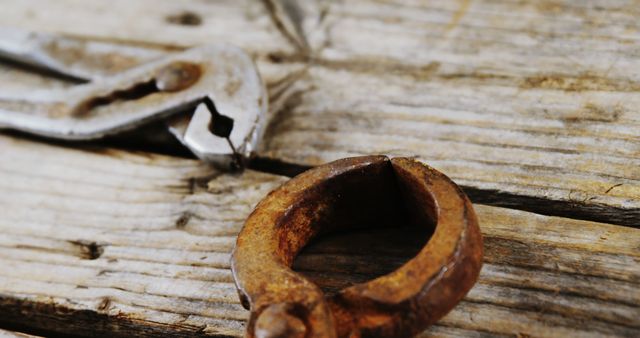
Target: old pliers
x=219, y=81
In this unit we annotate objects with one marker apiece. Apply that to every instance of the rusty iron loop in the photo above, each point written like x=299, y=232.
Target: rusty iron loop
x=347, y=194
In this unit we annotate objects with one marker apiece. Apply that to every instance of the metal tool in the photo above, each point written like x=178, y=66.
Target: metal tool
x=346, y=194
x=220, y=81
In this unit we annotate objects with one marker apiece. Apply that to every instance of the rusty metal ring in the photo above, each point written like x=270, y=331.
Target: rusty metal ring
x=346, y=194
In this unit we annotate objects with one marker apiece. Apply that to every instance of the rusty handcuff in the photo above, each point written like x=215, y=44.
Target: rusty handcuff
x=347, y=194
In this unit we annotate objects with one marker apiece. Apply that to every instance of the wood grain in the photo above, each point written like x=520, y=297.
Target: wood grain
x=530, y=105
x=124, y=243
x=527, y=104
x=151, y=22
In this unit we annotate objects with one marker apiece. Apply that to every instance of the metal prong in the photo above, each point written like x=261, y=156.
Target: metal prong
x=196, y=135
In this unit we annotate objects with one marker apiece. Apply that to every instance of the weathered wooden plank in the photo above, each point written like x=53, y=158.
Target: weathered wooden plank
x=531, y=105
x=520, y=102
x=528, y=105
x=148, y=22
x=138, y=244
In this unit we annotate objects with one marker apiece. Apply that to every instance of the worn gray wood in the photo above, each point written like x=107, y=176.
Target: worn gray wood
x=527, y=104
x=531, y=105
x=118, y=243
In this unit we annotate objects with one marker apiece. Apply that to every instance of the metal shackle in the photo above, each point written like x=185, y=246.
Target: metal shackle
x=347, y=194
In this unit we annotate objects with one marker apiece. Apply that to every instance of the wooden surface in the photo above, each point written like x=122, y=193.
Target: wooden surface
x=531, y=105
x=540, y=94
x=136, y=244
x=528, y=102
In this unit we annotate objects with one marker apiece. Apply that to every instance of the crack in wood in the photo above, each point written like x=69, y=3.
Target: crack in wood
x=287, y=17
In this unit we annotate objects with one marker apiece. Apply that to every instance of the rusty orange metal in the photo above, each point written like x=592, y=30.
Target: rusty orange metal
x=347, y=194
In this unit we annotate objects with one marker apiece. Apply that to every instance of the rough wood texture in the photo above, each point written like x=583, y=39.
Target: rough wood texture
x=150, y=22
x=134, y=243
x=522, y=102
x=530, y=105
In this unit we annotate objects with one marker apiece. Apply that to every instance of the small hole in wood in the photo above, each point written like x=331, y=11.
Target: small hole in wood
x=186, y=18
x=89, y=249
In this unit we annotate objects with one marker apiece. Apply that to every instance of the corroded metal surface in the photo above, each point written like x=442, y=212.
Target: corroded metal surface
x=347, y=194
